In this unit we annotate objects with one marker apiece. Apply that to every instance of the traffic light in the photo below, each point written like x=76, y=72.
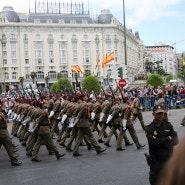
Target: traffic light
x=120, y=72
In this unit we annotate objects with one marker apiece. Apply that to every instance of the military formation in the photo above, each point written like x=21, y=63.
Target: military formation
x=73, y=120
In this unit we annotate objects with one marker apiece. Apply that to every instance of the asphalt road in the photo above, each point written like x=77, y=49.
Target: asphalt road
x=109, y=168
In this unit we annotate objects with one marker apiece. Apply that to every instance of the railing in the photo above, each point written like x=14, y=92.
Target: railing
x=175, y=101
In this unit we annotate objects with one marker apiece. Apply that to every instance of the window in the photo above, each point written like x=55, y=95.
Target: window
x=14, y=62
x=52, y=74
x=27, y=76
x=25, y=37
x=40, y=75
x=4, y=54
x=50, y=37
x=39, y=53
x=108, y=45
x=4, y=46
x=62, y=45
x=51, y=60
x=62, y=36
x=12, y=37
x=6, y=76
x=51, y=53
x=50, y=45
x=26, y=61
x=39, y=61
x=74, y=45
x=38, y=45
x=74, y=53
x=75, y=60
x=63, y=53
x=85, y=37
x=13, y=45
x=63, y=61
x=14, y=75
x=64, y=74
x=26, y=54
x=13, y=54
x=73, y=37
x=25, y=45
x=4, y=61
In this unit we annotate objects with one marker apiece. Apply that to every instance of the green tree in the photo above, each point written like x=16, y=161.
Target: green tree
x=59, y=75
x=33, y=76
x=53, y=88
x=63, y=86
x=91, y=83
x=155, y=80
x=21, y=80
x=180, y=74
x=169, y=77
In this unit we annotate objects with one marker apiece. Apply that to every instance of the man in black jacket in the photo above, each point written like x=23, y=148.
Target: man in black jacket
x=161, y=139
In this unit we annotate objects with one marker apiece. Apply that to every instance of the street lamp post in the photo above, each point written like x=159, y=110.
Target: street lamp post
x=125, y=45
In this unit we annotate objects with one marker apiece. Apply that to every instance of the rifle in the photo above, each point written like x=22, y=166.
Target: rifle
x=25, y=95
x=104, y=92
x=32, y=92
x=19, y=92
x=29, y=93
x=13, y=94
x=113, y=97
x=119, y=89
x=40, y=94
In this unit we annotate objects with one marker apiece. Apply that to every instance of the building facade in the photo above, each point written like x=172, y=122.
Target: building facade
x=49, y=42
x=162, y=55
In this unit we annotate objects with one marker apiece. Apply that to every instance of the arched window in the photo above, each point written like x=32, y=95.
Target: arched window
x=40, y=75
x=64, y=74
x=52, y=74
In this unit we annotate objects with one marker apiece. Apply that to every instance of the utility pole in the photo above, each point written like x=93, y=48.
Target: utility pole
x=125, y=43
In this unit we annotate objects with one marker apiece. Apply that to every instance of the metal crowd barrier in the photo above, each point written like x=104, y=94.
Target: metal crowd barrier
x=175, y=101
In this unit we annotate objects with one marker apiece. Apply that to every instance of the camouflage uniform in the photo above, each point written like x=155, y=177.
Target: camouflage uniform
x=137, y=112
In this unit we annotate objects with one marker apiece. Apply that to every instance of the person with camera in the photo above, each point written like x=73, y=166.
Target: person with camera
x=161, y=139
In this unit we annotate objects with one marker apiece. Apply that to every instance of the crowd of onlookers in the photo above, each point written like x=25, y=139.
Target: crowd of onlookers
x=174, y=95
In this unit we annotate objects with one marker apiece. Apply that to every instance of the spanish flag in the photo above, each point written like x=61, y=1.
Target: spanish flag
x=76, y=68
x=107, y=59
x=98, y=61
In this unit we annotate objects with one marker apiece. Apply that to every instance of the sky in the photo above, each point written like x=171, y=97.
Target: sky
x=156, y=20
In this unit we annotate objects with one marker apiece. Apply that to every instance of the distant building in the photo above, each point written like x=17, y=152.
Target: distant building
x=54, y=36
x=164, y=55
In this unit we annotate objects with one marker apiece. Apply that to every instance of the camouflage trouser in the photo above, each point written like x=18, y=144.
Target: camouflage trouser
x=140, y=117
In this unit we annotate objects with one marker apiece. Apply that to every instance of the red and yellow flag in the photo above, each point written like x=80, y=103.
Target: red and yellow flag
x=107, y=59
x=98, y=61
x=76, y=68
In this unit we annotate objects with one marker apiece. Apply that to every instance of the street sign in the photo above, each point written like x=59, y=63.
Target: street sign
x=122, y=82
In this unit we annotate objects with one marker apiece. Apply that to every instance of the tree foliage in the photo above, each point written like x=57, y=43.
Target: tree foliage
x=155, y=80
x=63, y=85
x=33, y=76
x=21, y=80
x=169, y=77
x=91, y=83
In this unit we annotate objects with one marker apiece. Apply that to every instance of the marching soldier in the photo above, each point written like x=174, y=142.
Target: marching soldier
x=6, y=141
x=127, y=122
x=137, y=111
x=44, y=135
x=84, y=129
x=115, y=117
